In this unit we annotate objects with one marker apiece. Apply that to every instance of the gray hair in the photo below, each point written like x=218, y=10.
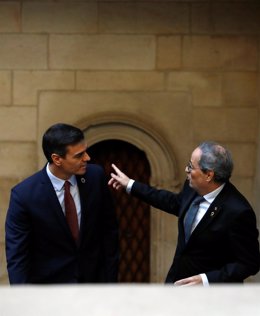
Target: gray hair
x=217, y=158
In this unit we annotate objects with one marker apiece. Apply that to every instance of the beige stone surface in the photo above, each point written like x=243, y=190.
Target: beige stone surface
x=65, y=17
x=3, y=270
x=201, y=18
x=102, y=52
x=240, y=88
x=220, y=52
x=27, y=84
x=245, y=186
x=6, y=185
x=120, y=80
x=10, y=19
x=17, y=124
x=23, y=51
x=17, y=159
x=205, y=87
x=5, y=87
x=168, y=52
x=174, y=106
x=225, y=124
x=128, y=300
x=144, y=17
x=239, y=17
x=242, y=154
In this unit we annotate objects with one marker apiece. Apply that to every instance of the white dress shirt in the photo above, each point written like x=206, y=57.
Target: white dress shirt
x=58, y=185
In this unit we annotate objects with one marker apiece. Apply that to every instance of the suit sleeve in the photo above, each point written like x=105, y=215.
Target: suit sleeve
x=17, y=236
x=243, y=241
x=162, y=199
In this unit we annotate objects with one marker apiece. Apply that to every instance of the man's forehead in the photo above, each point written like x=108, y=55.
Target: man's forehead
x=78, y=147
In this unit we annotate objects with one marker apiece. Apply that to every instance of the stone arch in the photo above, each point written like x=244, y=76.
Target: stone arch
x=143, y=135
x=140, y=134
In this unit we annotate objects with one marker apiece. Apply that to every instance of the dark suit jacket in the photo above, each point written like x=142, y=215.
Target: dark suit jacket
x=39, y=244
x=224, y=245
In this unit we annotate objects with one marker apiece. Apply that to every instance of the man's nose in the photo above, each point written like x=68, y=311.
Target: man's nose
x=86, y=157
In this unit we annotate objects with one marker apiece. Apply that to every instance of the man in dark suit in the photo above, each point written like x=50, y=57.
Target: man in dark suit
x=220, y=243
x=44, y=244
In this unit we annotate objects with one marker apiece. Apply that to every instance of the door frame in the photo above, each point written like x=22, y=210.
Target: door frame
x=136, y=131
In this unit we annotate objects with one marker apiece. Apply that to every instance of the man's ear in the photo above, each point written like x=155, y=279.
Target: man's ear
x=56, y=159
x=210, y=175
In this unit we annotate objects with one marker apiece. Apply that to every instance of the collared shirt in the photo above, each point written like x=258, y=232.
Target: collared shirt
x=209, y=198
x=58, y=185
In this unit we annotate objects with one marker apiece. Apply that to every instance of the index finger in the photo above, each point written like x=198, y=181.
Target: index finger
x=117, y=170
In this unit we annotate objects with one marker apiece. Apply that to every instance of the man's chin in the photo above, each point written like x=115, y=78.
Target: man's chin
x=81, y=171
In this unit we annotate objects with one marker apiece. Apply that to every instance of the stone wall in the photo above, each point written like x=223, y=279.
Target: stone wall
x=189, y=69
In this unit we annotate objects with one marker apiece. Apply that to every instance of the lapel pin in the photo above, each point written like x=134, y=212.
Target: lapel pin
x=212, y=214
x=83, y=180
x=215, y=208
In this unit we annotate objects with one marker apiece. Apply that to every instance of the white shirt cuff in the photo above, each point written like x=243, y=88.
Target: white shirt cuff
x=205, y=280
x=129, y=186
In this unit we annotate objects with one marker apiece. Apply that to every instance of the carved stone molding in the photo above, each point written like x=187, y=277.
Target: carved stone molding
x=146, y=137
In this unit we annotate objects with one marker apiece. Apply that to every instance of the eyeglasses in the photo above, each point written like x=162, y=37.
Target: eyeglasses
x=190, y=167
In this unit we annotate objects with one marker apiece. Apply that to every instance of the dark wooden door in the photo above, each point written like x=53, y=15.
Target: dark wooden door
x=133, y=215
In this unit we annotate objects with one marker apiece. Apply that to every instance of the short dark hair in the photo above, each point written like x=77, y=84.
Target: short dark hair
x=217, y=158
x=58, y=137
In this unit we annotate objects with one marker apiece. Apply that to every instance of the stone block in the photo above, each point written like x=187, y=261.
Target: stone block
x=168, y=109
x=120, y=80
x=236, y=17
x=144, y=17
x=243, y=166
x=225, y=124
x=5, y=189
x=205, y=87
x=3, y=270
x=5, y=87
x=201, y=20
x=245, y=186
x=18, y=124
x=240, y=88
x=18, y=160
x=168, y=52
x=220, y=52
x=23, y=51
x=10, y=19
x=63, y=17
x=102, y=52
x=28, y=83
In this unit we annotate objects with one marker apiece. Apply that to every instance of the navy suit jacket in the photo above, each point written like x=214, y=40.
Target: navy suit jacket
x=224, y=245
x=39, y=244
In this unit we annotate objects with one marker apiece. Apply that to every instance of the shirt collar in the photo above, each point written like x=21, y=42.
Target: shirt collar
x=57, y=182
x=210, y=197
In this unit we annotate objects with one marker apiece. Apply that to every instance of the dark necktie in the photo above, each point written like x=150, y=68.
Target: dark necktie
x=190, y=216
x=70, y=211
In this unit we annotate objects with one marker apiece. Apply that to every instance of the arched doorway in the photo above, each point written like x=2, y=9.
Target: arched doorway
x=133, y=215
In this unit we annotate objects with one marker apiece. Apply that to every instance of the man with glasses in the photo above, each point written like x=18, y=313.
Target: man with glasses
x=218, y=237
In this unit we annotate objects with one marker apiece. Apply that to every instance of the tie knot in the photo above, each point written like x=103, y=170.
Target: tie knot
x=198, y=200
x=66, y=185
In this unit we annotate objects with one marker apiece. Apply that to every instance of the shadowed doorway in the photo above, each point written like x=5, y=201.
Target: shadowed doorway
x=133, y=215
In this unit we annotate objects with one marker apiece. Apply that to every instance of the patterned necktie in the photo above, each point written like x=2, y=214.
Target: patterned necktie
x=190, y=216
x=70, y=211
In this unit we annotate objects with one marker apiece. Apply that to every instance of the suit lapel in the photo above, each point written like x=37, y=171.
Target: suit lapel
x=83, y=186
x=212, y=212
x=54, y=204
